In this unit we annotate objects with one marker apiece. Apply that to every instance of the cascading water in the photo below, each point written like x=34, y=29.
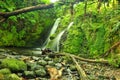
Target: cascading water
x=51, y=33
x=56, y=41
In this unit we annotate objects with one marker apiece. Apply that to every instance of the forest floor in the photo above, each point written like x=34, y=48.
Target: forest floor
x=50, y=66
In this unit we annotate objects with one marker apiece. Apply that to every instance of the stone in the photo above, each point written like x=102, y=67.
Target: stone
x=35, y=58
x=36, y=67
x=51, y=63
x=47, y=58
x=42, y=62
x=58, y=65
x=40, y=72
x=2, y=50
x=31, y=66
x=29, y=74
x=37, y=53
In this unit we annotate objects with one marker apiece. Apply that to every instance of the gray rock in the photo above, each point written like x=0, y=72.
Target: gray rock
x=37, y=53
x=2, y=50
x=29, y=74
x=47, y=58
x=58, y=65
x=36, y=67
x=35, y=58
x=40, y=72
x=33, y=66
x=42, y=62
x=14, y=53
x=2, y=56
x=51, y=63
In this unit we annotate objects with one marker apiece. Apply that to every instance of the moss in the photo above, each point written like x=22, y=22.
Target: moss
x=13, y=64
x=1, y=76
x=5, y=71
x=12, y=77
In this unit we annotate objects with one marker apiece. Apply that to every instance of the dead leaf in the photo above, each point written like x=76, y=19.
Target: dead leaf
x=54, y=73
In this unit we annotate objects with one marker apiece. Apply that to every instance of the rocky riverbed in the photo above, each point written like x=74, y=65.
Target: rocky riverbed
x=30, y=64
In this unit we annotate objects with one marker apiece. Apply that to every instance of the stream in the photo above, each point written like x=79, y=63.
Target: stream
x=37, y=63
x=32, y=64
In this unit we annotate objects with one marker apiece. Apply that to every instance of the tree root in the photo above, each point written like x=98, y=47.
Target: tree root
x=81, y=72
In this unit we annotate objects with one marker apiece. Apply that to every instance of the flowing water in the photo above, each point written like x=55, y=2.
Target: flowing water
x=56, y=42
x=51, y=33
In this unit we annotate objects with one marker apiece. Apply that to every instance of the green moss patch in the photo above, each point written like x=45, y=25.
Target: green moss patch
x=13, y=64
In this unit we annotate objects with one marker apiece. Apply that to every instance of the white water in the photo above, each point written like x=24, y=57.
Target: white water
x=51, y=32
x=56, y=41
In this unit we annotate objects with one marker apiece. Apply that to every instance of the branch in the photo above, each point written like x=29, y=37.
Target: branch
x=81, y=72
x=82, y=59
x=24, y=10
x=114, y=46
x=2, y=20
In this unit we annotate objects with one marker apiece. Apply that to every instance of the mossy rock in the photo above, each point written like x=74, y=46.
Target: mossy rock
x=13, y=64
x=5, y=71
x=12, y=77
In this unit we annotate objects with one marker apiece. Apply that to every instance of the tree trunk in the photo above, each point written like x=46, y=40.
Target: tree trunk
x=24, y=10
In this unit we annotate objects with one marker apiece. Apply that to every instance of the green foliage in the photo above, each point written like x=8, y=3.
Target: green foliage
x=13, y=64
x=114, y=61
x=93, y=33
x=12, y=77
x=25, y=29
x=5, y=71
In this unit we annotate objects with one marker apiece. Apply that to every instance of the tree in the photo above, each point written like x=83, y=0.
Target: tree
x=5, y=15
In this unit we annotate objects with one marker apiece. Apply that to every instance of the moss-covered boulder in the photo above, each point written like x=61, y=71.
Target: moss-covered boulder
x=5, y=71
x=13, y=64
x=12, y=77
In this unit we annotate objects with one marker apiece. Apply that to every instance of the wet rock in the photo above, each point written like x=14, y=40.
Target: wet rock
x=27, y=53
x=58, y=65
x=2, y=56
x=5, y=71
x=51, y=63
x=36, y=53
x=36, y=67
x=42, y=62
x=40, y=72
x=2, y=50
x=41, y=79
x=32, y=66
x=19, y=74
x=29, y=74
x=13, y=64
x=47, y=58
x=35, y=58
x=14, y=53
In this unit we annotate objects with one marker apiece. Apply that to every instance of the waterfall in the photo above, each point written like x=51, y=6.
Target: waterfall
x=56, y=41
x=51, y=33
